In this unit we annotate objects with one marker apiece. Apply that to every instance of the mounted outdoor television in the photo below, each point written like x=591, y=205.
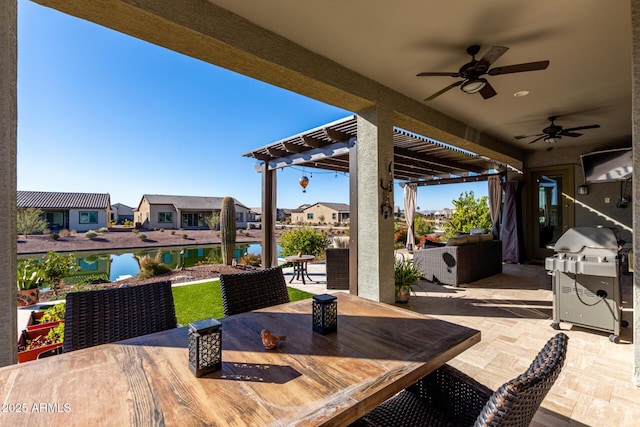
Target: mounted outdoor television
x=607, y=165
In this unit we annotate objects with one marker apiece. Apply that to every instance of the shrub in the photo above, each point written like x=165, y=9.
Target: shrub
x=127, y=223
x=469, y=213
x=251, y=259
x=150, y=267
x=31, y=220
x=54, y=236
x=55, y=266
x=65, y=233
x=135, y=231
x=400, y=238
x=184, y=236
x=162, y=230
x=306, y=240
x=103, y=230
x=90, y=234
x=141, y=236
x=173, y=232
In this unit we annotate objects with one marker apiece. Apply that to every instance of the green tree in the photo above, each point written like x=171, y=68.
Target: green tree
x=31, y=220
x=422, y=226
x=308, y=240
x=55, y=266
x=469, y=213
x=213, y=221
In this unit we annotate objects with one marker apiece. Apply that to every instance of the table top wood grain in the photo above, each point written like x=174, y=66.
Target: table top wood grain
x=308, y=380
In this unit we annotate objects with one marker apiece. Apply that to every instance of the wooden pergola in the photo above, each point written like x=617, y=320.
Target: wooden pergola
x=416, y=159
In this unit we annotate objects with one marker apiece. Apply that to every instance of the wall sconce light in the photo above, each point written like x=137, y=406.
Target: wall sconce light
x=583, y=190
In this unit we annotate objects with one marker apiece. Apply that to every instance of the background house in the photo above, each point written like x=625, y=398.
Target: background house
x=321, y=212
x=186, y=212
x=120, y=213
x=72, y=211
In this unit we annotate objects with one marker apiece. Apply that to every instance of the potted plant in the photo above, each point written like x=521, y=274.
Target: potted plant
x=33, y=343
x=407, y=275
x=30, y=277
x=52, y=315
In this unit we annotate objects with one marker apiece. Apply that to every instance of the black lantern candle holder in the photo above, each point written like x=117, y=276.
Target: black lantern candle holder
x=205, y=347
x=325, y=314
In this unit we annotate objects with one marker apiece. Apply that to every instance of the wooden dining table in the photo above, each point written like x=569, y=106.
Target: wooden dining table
x=307, y=380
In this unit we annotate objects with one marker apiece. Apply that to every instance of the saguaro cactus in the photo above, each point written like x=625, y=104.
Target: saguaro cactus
x=228, y=229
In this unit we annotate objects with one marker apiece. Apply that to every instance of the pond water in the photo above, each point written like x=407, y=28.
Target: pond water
x=122, y=263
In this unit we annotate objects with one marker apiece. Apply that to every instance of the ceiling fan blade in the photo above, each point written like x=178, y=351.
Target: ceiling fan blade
x=438, y=74
x=582, y=128
x=519, y=68
x=440, y=92
x=537, y=139
x=490, y=57
x=571, y=134
x=487, y=91
x=527, y=136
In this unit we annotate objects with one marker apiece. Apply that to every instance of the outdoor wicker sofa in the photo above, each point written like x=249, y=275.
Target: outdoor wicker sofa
x=463, y=260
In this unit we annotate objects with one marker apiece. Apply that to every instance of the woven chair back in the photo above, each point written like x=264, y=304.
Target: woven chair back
x=517, y=401
x=252, y=290
x=108, y=315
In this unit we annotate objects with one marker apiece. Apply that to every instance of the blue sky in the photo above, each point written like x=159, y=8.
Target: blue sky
x=99, y=111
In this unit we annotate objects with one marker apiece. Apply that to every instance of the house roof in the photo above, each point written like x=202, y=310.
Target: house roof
x=122, y=209
x=59, y=200
x=188, y=202
x=340, y=207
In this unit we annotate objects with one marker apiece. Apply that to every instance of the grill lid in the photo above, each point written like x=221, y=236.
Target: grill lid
x=577, y=238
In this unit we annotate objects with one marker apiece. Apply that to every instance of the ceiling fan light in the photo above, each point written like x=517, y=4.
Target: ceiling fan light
x=552, y=139
x=473, y=85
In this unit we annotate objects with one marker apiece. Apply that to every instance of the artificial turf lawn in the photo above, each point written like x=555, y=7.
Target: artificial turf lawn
x=203, y=301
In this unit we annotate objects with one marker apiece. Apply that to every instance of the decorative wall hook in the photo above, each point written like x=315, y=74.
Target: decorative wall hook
x=387, y=188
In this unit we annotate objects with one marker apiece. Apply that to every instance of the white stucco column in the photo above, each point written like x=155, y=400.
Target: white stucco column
x=374, y=231
x=8, y=135
x=635, y=16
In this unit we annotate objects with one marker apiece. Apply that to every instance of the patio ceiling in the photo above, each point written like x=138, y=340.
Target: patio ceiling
x=588, y=44
x=416, y=158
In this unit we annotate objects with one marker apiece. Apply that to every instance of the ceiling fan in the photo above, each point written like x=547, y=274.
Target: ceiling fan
x=554, y=132
x=472, y=71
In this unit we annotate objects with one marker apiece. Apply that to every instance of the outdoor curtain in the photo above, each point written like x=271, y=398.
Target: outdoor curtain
x=495, y=203
x=512, y=231
x=409, y=212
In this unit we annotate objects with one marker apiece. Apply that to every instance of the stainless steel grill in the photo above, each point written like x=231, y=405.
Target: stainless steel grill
x=586, y=283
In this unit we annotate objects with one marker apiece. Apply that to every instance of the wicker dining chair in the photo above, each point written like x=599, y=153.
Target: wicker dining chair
x=252, y=290
x=448, y=397
x=337, y=265
x=108, y=315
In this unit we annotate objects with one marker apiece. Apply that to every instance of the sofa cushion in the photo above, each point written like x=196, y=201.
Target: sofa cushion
x=341, y=242
x=486, y=237
x=458, y=241
x=473, y=238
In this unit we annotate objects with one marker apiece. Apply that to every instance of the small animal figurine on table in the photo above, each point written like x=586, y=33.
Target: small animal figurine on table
x=271, y=341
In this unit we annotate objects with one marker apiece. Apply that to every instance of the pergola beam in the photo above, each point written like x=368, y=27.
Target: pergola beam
x=458, y=180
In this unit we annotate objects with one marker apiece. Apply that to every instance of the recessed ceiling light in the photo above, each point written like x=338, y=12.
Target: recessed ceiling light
x=521, y=93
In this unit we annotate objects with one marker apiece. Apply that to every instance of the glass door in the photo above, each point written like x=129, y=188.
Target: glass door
x=553, y=208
